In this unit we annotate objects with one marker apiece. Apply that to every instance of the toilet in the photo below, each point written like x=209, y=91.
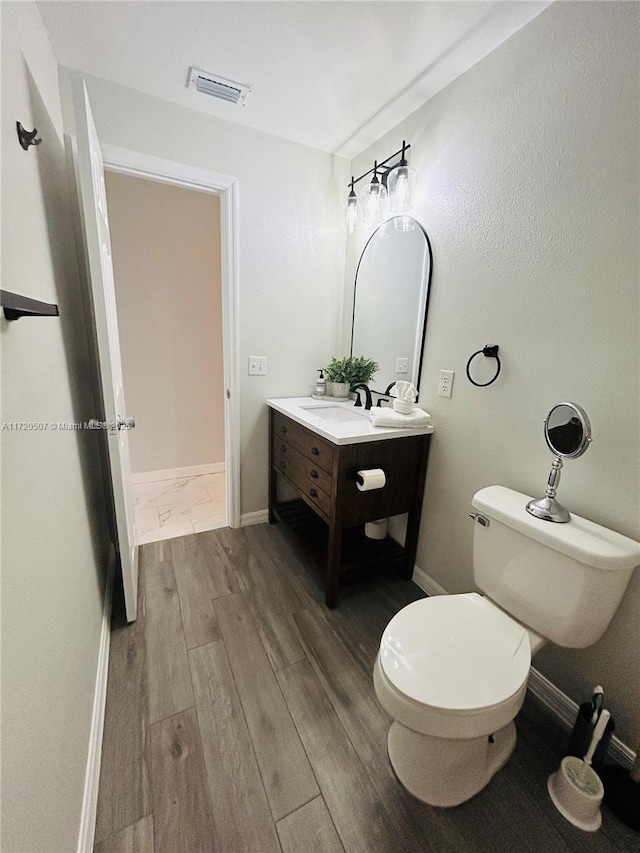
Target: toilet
x=452, y=670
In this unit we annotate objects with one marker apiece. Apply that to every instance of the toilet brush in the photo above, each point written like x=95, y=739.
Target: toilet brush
x=601, y=725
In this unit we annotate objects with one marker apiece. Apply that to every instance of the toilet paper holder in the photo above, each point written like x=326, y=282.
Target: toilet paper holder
x=354, y=474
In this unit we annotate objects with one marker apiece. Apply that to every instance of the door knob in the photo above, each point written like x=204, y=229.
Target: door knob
x=126, y=423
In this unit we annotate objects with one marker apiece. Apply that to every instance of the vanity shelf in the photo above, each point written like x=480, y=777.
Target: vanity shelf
x=359, y=554
x=327, y=519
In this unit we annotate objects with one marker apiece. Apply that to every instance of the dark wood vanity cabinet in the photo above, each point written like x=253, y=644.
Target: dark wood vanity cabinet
x=328, y=516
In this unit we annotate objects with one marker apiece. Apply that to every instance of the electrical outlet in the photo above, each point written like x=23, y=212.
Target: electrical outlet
x=257, y=365
x=402, y=365
x=446, y=383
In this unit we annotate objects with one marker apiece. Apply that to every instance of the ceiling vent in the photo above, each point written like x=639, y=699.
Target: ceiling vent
x=217, y=87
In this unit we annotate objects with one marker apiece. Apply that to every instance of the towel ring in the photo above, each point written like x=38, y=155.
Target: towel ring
x=490, y=351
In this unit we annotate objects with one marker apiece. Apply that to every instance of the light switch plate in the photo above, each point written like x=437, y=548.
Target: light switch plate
x=402, y=365
x=257, y=365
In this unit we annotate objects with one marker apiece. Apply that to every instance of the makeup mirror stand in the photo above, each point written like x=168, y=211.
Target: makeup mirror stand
x=548, y=508
x=567, y=431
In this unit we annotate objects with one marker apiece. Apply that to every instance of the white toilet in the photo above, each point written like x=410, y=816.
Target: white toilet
x=452, y=670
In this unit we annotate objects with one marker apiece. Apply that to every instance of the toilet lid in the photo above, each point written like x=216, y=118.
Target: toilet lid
x=455, y=653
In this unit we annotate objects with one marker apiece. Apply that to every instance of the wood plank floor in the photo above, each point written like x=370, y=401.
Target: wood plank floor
x=241, y=716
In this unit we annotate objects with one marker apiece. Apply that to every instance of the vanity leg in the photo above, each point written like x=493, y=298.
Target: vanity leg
x=332, y=581
x=273, y=483
x=411, y=544
x=413, y=521
x=273, y=477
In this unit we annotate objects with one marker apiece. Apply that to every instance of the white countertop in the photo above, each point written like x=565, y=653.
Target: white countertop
x=355, y=428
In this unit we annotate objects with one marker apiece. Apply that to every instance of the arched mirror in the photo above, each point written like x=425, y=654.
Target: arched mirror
x=567, y=432
x=391, y=300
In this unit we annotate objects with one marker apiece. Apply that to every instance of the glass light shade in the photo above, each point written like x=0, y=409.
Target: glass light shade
x=400, y=183
x=373, y=199
x=404, y=223
x=352, y=213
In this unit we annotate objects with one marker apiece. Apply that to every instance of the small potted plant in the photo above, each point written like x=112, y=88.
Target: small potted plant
x=342, y=373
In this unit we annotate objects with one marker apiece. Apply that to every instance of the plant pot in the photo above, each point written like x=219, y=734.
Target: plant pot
x=338, y=389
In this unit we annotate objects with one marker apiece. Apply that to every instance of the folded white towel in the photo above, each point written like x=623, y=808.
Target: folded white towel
x=385, y=417
x=405, y=396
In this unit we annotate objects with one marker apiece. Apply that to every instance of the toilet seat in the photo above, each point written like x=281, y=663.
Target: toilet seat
x=455, y=654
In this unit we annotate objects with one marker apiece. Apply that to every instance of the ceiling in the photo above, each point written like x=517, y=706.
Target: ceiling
x=331, y=74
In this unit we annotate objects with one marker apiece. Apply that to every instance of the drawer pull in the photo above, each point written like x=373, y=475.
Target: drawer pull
x=283, y=448
x=313, y=493
x=314, y=474
x=283, y=429
x=315, y=451
x=283, y=464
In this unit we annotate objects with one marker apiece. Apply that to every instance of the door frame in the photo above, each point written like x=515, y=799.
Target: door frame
x=140, y=165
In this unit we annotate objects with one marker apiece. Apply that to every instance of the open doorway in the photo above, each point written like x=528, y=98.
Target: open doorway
x=157, y=169
x=166, y=248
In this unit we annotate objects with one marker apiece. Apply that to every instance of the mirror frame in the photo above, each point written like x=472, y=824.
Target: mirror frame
x=426, y=301
x=586, y=431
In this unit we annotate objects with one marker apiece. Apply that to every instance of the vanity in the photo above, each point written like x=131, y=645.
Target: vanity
x=316, y=448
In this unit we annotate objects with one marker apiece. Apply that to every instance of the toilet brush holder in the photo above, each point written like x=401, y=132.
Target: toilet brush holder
x=576, y=791
x=583, y=732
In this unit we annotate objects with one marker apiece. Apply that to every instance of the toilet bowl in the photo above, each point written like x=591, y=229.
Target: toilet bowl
x=452, y=670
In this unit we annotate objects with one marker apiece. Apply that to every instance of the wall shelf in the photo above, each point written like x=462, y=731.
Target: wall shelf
x=16, y=306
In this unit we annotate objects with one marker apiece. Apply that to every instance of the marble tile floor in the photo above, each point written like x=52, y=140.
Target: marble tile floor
x=165, y=509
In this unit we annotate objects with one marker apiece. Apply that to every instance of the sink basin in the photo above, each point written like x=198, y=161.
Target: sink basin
x=335, y=414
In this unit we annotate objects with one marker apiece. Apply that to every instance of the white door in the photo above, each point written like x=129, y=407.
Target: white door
x=93, y=202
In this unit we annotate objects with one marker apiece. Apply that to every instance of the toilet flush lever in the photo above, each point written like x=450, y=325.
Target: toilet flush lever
x=481, y=519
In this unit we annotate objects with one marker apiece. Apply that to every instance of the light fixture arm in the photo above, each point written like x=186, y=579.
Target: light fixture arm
x=383, y=168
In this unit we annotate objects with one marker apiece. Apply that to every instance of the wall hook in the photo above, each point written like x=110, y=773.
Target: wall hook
x=16, y=306
x=27, y=137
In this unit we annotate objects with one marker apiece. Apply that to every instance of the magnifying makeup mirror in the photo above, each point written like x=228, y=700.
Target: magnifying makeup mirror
x=568, y=434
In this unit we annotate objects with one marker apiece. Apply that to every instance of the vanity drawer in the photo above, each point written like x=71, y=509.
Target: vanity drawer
x=287, y=459
x=313, y=448
x=308, y=489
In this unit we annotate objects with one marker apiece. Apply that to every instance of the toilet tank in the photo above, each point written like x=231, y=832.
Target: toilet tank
x=563, y=580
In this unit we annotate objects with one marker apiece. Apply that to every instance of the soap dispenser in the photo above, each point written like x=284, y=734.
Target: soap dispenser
x=321, y=385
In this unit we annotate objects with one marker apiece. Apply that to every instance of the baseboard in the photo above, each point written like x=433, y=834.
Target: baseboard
x=178, y=473
x=567, y=710
x=551, y=696
x=92, y=775
x=249, y=518
x=426, y=583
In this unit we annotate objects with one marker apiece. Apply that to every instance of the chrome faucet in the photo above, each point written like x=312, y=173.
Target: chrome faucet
x=368, y=398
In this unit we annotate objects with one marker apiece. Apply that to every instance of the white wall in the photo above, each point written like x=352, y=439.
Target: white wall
x=165, y=242
x=528, y=189
x=54, y=541
x=291, y=263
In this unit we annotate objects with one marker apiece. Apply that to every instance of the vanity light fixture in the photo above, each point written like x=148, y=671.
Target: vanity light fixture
x=374, y=199
x=352, y=217
x=392, y=182
x=400, y=182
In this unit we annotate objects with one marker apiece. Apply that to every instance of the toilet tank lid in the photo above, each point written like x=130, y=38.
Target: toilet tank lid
x=580, y=539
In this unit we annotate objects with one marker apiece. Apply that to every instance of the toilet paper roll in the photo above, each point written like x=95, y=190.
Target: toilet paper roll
x=376, y=529
x=369, y=479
